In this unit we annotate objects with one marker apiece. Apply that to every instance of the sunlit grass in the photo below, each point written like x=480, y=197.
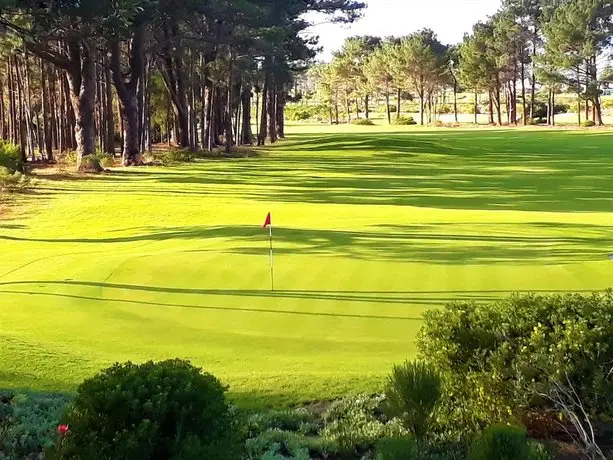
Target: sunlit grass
x=373, y=225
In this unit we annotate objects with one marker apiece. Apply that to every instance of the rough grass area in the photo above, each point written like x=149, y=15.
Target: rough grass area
x=372, y=227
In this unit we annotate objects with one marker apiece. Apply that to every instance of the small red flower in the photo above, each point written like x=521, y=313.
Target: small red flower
x=63, y=430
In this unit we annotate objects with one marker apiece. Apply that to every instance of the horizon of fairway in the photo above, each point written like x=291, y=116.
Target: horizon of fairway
x=372, y=227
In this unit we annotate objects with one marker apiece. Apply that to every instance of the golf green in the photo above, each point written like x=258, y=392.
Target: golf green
x=371, y=227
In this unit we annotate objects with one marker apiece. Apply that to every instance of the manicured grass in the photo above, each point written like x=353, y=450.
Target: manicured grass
x=373, y=226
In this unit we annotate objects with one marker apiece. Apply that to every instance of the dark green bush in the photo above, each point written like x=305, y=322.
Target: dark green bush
x=363, y=122
x=405, y=121
x=412, y=394
x=396, y=449
x=497, y=358
x=166, y=410
x=503, y=442
x=357, y=423
x=10, y=156
x=28, y=423
x=589, y=124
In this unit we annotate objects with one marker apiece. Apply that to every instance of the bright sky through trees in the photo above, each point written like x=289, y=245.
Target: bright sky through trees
x=450, y=19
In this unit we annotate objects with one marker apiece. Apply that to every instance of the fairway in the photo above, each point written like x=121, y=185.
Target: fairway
x=372, y=227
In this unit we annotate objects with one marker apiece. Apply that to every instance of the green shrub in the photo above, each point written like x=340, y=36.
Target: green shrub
x=396, y=449
x=405, y=121
x=497, y=358
x=363, y=122
x=589, y=124
x=106, y=160
x=167, y=410
x=10, y=156
x=299, y=420
x=28, y=423
x=90, y=164
x=277, y=444
x=12, y=181
x=504, y=442
x=412, y=394
x=172, y=156
x=67, y=159
x=357, y=423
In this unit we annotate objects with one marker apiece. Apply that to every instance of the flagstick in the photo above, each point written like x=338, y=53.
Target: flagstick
x=272, y=270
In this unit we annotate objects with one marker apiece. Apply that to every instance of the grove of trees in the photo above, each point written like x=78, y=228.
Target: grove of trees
x=528, y=46
x=78, y=74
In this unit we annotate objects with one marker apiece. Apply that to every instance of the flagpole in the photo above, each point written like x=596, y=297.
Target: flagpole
x=272, y=270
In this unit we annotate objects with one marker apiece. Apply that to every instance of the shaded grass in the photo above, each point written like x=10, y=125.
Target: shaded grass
x=373, y=227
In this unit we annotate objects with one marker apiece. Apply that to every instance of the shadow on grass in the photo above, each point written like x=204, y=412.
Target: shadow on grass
x=309, y=295
x=440, y=243
x=538, y=170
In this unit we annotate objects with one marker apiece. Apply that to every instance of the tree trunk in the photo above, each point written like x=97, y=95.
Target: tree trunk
x=398, y=101
x=523, y=92
x=13, y=123
x=476, y=108
x=71, y=124
x=127, y=93
x=3, y=126
x=22, y=141
x=367, y=106
x=82, y=83
x=246, y=134
x=264, y=112
x=491, y=107
x=280, y=114
x=533, y=74
x=553, y=103
x=498, y=105
x=387, y=107
x=45, y=100
x=455, y=100
x=272, y=112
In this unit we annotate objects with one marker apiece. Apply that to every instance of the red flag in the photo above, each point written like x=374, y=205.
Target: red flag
x=268, y=221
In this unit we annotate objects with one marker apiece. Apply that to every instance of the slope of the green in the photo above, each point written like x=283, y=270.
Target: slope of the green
x=371, y=228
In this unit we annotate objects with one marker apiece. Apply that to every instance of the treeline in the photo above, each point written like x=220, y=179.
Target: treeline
x=528, y=46
x=80, y=74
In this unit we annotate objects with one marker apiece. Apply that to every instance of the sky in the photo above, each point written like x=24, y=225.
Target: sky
x=450, y=19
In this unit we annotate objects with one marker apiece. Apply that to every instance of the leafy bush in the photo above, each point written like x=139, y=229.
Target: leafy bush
x=167, y=410
x=396, y=449
x=106, y=160
x=10, y=156
x=363, y=122
x=412, y=394
x=90, y=164
x=12, y=181
x=496, y=359
x=28, y=423
x=541, y=109
x=506, y=443
x=280, y=444
x=298, y=420
x=405, y=121
x=172, y=156
x=357, y=423
x=589, y=124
